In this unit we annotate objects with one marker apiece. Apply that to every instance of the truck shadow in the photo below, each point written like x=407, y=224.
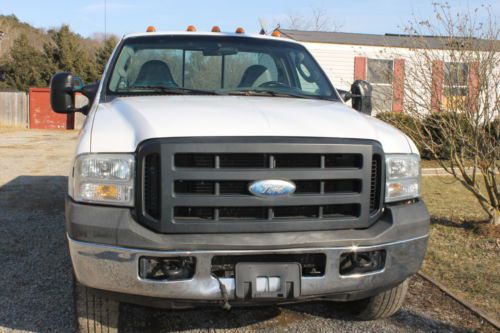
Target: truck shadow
x=303, y=317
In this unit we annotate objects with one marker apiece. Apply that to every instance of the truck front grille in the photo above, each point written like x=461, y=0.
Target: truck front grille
x=190, y=186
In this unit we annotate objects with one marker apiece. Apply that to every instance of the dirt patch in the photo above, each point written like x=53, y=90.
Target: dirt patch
x=430, y=300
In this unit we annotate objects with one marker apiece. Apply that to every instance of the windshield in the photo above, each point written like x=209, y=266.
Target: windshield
x=216, y=65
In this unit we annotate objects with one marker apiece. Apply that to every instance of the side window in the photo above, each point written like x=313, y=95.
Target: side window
x=307, y=83
x=380, y=73
x=249, y=69
x=309, y=79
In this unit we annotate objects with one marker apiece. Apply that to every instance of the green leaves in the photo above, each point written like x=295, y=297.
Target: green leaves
x=31, y=66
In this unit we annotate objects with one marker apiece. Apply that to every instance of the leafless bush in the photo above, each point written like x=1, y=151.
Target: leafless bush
x=318, y=19
x=452, y=86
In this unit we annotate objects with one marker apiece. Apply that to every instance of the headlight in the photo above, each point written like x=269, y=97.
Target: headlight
x=104, y=178
x=402, y=177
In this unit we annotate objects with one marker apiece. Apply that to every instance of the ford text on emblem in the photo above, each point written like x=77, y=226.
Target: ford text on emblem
x=272, y=188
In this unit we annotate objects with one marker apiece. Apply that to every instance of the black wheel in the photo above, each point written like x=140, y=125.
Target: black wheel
x=382, y=305
x=94, y=313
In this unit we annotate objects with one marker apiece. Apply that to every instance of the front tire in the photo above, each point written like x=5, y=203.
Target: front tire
x=382, y=305
x=95, y=313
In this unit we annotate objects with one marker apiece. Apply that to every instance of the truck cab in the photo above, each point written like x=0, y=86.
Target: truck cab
x=225, y=169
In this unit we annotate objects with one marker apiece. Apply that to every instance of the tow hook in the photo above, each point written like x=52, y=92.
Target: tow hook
x=223, y=292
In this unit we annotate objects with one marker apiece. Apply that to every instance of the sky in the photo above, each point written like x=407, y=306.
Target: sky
x=124, y=16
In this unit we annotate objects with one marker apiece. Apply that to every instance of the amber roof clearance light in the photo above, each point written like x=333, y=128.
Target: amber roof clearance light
x=276, y=33
x=191, y=28
x=240, y=30
x=151, y=29
x=215, y=29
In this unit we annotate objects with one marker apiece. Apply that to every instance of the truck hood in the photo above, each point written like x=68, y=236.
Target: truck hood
x=120, y=125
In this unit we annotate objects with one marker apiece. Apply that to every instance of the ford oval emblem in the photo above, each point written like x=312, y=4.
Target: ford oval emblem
x=272, y=188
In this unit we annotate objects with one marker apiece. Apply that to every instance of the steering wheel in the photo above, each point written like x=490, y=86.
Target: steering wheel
x=273, y=84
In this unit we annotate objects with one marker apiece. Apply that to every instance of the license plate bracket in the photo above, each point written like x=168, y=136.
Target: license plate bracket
x=268, y=280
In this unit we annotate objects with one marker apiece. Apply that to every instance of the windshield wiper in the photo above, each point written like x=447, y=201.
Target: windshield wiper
x=270, y=92
x=173, y=90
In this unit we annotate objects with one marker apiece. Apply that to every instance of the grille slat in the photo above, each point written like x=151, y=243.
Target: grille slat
x=152, y=195
x=266, y=213
x=206, y=184
x=375, y=184
x=303, y=187
x=244, y=161
x=262, y=161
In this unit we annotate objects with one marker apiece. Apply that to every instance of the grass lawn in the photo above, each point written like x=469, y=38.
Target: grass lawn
x=464, y=250
x=435, y=163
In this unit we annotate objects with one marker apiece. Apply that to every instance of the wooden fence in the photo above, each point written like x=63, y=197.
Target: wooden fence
x=14, y=109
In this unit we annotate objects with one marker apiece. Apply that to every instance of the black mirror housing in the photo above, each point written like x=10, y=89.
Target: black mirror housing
x=90, y=91
x=362, y=96
x=62, y=97
x=344, y=94
x=63, y=88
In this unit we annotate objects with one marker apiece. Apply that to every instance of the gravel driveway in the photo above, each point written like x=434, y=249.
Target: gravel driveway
x=36, y=282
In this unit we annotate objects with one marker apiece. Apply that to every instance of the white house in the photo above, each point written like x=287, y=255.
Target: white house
x=346, y=57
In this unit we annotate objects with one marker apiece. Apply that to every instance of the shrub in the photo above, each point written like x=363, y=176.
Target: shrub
x=405, y=123
x=439, y=127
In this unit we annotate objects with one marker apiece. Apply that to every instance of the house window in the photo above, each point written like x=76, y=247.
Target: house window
x=455, y=88
x=379, y=73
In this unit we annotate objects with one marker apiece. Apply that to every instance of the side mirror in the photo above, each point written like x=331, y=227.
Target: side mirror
x=344, y=94
x=89, y=91
x=63, y=88
x=361, y=92
x=62, y=95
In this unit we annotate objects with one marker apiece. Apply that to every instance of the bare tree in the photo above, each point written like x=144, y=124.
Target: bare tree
x=452, y=86
x=317, y=20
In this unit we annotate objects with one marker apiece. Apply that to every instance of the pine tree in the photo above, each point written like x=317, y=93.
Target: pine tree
x=104, y=52
x=68, y=56
x=26, y=66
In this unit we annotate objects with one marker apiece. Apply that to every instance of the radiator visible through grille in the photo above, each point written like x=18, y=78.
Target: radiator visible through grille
x=189, y=187
x=375, y=183
x=152, y=184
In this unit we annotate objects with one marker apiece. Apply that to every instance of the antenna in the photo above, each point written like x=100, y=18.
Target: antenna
x=105, y=19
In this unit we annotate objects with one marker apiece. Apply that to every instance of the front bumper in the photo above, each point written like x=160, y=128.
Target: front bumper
x=115, y=269
x=106, y=244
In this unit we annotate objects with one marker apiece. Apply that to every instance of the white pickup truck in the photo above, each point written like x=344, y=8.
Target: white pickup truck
x=225, y=169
